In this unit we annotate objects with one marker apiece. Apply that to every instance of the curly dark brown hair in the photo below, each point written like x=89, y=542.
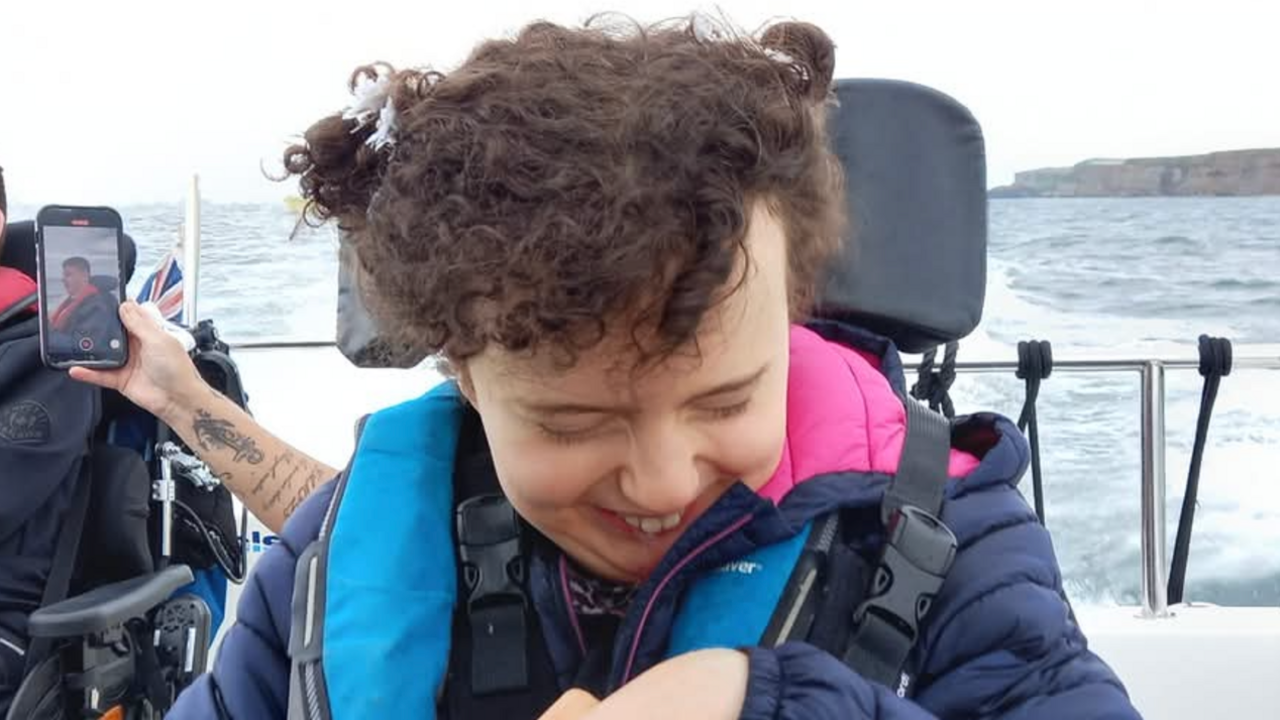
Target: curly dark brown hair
x=566, y=180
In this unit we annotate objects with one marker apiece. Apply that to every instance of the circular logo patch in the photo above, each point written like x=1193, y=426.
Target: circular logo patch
x=25, y=422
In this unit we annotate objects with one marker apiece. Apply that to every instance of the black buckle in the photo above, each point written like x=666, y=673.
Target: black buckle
x=916, y=558
x=493, y=573
x=489, y=547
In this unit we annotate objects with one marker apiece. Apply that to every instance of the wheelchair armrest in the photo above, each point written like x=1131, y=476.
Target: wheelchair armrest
x=108, y=606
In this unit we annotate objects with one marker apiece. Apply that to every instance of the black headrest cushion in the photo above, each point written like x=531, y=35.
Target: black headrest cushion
x=915, y=264
x=106, y=283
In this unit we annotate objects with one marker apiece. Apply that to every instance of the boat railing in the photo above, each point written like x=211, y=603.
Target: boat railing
x=1150, y=368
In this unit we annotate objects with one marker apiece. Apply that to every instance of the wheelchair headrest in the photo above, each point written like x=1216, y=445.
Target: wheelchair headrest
x=20, y=251
x=914, y=264
x=105, y=283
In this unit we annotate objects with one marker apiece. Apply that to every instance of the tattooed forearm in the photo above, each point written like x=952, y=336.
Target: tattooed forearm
x=272, y=475
x=299, y=496
x=215, y=433
x=283, y=487
x=291, y=478
x=267, y=474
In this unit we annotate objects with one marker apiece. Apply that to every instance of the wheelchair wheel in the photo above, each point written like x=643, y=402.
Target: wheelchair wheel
x=42, y=696
x=39, y=697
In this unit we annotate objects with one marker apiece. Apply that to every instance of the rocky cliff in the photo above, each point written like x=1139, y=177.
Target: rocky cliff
x=1235, y=172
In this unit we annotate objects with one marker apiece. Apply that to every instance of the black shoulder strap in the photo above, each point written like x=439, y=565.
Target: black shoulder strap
x=915, y=559
x=64, y=556
x=922, y=470
x=7, y=313
x=497, y=662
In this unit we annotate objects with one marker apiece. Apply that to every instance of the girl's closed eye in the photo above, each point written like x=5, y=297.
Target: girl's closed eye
x=565, y=437
x=727, y=411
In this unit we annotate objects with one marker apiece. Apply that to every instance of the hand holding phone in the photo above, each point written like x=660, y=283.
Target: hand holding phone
x=81, y=283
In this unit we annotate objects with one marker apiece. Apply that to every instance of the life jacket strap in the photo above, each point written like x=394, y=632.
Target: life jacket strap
x=917, y=555
x=493, y=576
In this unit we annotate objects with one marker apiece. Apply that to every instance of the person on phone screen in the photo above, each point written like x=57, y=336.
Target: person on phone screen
x=85, y=317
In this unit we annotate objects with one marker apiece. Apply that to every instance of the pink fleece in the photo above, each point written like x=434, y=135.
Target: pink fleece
x=842, y=415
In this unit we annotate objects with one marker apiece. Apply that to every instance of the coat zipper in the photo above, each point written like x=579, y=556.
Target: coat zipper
x=644, y=618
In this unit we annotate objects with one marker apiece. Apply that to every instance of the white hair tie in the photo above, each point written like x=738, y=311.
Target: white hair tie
x=372, y=102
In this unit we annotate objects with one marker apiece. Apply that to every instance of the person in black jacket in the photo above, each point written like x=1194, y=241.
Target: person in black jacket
x=46, y=421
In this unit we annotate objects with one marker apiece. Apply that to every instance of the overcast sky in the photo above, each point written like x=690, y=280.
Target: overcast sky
x=118, y=102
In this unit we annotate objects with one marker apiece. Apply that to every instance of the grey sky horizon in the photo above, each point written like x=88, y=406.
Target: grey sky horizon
x=118, y=103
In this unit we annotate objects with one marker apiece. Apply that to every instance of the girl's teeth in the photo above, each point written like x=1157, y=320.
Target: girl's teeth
x=653, y=525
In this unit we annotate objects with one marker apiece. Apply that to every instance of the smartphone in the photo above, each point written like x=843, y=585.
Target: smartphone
x=81, y=284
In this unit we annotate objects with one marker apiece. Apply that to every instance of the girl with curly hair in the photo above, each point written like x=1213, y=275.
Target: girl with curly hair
x=610, y=237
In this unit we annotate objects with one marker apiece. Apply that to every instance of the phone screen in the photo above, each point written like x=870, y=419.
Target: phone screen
x=80, y=288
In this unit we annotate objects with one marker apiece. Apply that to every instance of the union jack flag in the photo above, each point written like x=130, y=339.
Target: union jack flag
x=164, y=288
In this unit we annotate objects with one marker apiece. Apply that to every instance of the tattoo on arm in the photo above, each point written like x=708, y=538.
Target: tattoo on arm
x=314, y=478
x=291, y=478
x=213, y=433
x=273, y=474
